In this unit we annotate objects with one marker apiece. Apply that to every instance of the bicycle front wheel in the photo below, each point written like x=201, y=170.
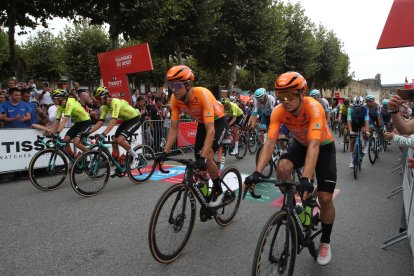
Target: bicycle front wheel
x=90, y=173
x=253, y=142
x=277, y=246
x=146, y=166
x=171, y=224
x=48, y=169
x=372, y=150
x=267, y=171
x=242, y=147
x=232, y=178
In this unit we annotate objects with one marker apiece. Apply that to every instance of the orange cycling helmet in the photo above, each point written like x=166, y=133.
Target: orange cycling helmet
x=290, y=81
x=180, y=73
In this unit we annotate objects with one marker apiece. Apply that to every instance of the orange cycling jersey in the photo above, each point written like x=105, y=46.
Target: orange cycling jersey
x=309, y=125
x=203, y=107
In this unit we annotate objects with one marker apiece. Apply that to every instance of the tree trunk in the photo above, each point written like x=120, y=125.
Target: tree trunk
x=15, y=62
x=114, y=23
x=232, y=73
x=178, y=53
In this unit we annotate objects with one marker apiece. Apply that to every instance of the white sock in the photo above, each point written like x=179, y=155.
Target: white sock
x=133, y=153
x=236, y=145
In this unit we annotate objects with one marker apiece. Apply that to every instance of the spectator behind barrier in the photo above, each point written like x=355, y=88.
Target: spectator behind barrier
x=44, y=95
x=31, y=106
x=16, y=111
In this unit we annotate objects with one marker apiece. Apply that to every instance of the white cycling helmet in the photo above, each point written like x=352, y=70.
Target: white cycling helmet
x=358, y=100
x=370, y=98
x=315, y=93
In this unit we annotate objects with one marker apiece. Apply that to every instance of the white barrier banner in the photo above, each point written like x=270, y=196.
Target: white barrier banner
x=18, y=146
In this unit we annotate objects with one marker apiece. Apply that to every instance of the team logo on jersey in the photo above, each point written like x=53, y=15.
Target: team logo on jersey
x=317, y=125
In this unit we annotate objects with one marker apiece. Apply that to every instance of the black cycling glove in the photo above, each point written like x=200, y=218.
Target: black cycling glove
x=161, y=158
x=253, y=178
x=306, y=185
x=201, y=164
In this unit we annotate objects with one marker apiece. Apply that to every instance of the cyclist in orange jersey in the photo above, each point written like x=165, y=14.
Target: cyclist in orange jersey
x=313, y=149
x=201, y=105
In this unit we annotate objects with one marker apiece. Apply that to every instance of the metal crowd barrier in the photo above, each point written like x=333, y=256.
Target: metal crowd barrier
x=154, y=135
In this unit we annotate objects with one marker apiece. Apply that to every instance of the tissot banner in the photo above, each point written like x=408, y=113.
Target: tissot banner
x=117, y=64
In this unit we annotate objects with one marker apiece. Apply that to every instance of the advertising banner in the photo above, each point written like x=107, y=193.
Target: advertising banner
x=186, y=134
x=18, y=146
x=117, y=64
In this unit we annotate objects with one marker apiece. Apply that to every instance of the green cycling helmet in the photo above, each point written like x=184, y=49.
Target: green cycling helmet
x=101, y=91
x=59, y=93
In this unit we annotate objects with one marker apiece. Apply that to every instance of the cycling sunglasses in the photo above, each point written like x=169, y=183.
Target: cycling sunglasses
x=175, y=85
x=288, y=96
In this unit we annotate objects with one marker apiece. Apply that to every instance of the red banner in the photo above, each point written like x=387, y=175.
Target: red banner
x=186, y=134
x=117, y=64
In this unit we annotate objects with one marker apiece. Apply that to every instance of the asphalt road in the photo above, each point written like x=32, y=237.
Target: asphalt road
x=61, y=233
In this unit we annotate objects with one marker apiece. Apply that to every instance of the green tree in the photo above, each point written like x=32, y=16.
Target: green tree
x=82, y=43
x=5, y=69
x=44, y=56
x=26, y=14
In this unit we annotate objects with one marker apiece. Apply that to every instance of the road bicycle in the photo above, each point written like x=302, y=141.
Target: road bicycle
x=375, y=146
x=49, y=167
x=173, y=218
x=96, y=165
x=253, y=139
x=288, y=231
x=357, y=155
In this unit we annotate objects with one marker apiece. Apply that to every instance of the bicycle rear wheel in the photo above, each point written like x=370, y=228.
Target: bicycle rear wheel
x=356, y=160
x=277, y=246
x=48, y=169
x=232, y=178
x=89, y=173
x=242, y=147
x=170, y=227
x=372, y=150
x=146, y=165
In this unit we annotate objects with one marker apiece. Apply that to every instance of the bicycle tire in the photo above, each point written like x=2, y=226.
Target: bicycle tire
x=37, y=170
x=147, y=164
x=356, y=160
x=267, y=171
x=253, y=142
x=175, y=223
x=234, y=198
x=372, y=150
x=242, y=147
x=274, y=223
x=90, y=163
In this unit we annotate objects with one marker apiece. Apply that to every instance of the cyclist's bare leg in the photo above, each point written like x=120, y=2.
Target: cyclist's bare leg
x=284, y=169
x=68, y=148
x=212, y=168
x=235, y=133
x=79, y=145
x=122, y=141
x=327, y=207
x=261, y=136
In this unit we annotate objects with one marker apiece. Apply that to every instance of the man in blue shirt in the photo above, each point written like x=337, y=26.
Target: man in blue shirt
x=31, y=106
x=16, y=111
x=1, y=115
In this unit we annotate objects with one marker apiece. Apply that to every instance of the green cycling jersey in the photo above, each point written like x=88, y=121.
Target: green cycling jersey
x=233, y=110
x=74, y=110
x=119, y=109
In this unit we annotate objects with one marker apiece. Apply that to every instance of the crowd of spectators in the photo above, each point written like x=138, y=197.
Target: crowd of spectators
x=27, y=105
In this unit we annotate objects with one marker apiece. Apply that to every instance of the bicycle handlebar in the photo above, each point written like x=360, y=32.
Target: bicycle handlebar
x=187, y=162
x=276, y=182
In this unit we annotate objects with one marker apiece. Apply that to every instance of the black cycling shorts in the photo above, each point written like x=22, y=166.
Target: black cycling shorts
x=344, y=120
x=127, y=128
x=357, y=126
x=220, y=127
x=77, y=128
x=325, y=166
